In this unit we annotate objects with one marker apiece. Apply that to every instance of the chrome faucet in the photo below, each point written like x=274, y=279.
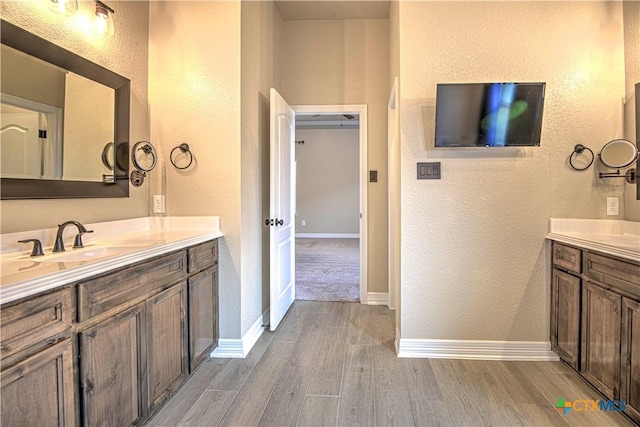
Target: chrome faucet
x=58, y=246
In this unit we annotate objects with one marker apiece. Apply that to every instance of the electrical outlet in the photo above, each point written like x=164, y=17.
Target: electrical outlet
x=304, y=223
x=158, y=203
x=612, y=206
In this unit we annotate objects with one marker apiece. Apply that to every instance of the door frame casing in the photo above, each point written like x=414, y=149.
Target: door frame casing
x=361, y=110
x=393, y=167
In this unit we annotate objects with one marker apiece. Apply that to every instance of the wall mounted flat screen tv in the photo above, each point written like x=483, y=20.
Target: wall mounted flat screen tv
x=489, y=114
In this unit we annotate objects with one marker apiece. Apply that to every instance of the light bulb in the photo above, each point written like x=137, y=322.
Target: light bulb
x=103, y=21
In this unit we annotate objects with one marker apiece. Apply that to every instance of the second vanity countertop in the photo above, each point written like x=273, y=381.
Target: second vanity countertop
x=614, y=237
x=111, y=245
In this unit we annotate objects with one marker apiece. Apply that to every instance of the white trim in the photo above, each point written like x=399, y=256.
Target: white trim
x=477, y=350
x=362, y=111
x=377, y=298
x=238, y=349
x=393, y=190
x=328, y=235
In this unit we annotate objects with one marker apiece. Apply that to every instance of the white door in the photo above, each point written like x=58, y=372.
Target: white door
x=20, y=145
x=281, y=212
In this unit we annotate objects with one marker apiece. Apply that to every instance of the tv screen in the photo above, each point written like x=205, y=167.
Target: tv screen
x=489, y=114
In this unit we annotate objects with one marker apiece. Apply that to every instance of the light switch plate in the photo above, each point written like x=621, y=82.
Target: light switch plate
x=428, y=170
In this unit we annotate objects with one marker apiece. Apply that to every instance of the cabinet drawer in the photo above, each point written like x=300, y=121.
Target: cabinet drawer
x=104, y=293
x=624, y=275
x=567, y=257
x=203, y=256
x=36, y=323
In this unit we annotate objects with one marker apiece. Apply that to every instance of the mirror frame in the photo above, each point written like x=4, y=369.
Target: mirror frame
x=16, y=188
x=638, y=137
x=630, y=162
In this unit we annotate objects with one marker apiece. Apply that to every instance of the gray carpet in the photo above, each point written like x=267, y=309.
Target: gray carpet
x=328, y=269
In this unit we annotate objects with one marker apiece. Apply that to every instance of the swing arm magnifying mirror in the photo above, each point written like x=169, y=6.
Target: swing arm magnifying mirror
x=619, y=153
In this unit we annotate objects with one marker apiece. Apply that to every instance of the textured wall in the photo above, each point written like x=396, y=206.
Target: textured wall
x=261, y=70
x=86, y=137
x=394, y=67
x=474, y=256
x=194, y=92
x=327, y=181
x=347, y=62
x=126, y=53
x=631, y=10
x=46, y=84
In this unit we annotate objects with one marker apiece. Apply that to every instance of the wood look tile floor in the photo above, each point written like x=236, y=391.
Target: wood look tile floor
x=333, y=363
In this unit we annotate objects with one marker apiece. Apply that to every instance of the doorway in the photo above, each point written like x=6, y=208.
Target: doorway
x=332, y=259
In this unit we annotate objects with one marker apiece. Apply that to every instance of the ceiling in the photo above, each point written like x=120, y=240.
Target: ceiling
x=312, y=10
x=327, y=121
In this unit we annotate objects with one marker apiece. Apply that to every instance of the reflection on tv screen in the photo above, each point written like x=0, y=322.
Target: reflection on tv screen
x=489, y=114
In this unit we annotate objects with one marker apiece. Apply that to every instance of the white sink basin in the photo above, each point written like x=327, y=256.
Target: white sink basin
x=85, y=254
x=96, y=251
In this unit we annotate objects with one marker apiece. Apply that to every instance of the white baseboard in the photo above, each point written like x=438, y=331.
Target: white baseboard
x=239, y=348
x=328, y=235
x=377, y=298
x=478, y=350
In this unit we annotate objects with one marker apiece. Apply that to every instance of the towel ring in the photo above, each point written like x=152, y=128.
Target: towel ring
x=147, y=148
x=184, y=148
x=106, y=152
x=578, y=149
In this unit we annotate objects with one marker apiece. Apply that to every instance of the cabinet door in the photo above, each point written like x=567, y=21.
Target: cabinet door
x=167, y=358
x=112, y=367
x=601, y=321
x=565, y=316
x=203, y=316
x=630, y=372
x=39, y=391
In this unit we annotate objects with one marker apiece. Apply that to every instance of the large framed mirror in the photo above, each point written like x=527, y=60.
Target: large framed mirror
x=638, y=137
x=64, y=131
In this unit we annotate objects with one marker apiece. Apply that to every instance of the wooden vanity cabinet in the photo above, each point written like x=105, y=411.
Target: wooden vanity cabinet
x=133, y=358
x=203, y=302
x=111, y=349
x=112, y=370
x=48, y=375
x=630, y=373
x=38, y=355
x=603, y=292
x=203, y=318
x=565, y=316
x=167, y=355
x=601, y=322
x=566, y=287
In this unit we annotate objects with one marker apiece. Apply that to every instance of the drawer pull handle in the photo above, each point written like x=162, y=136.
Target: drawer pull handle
x=53, y=340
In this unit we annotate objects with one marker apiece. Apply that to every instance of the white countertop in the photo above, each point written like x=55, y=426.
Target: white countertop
x=133, y=240
x=614, y=237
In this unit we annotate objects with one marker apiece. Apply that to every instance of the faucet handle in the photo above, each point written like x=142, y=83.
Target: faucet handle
x=37, y=246
x=77, y=242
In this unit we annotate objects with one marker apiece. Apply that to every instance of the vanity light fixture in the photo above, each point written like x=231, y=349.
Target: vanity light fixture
x=103, y=21
x=64, y=7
